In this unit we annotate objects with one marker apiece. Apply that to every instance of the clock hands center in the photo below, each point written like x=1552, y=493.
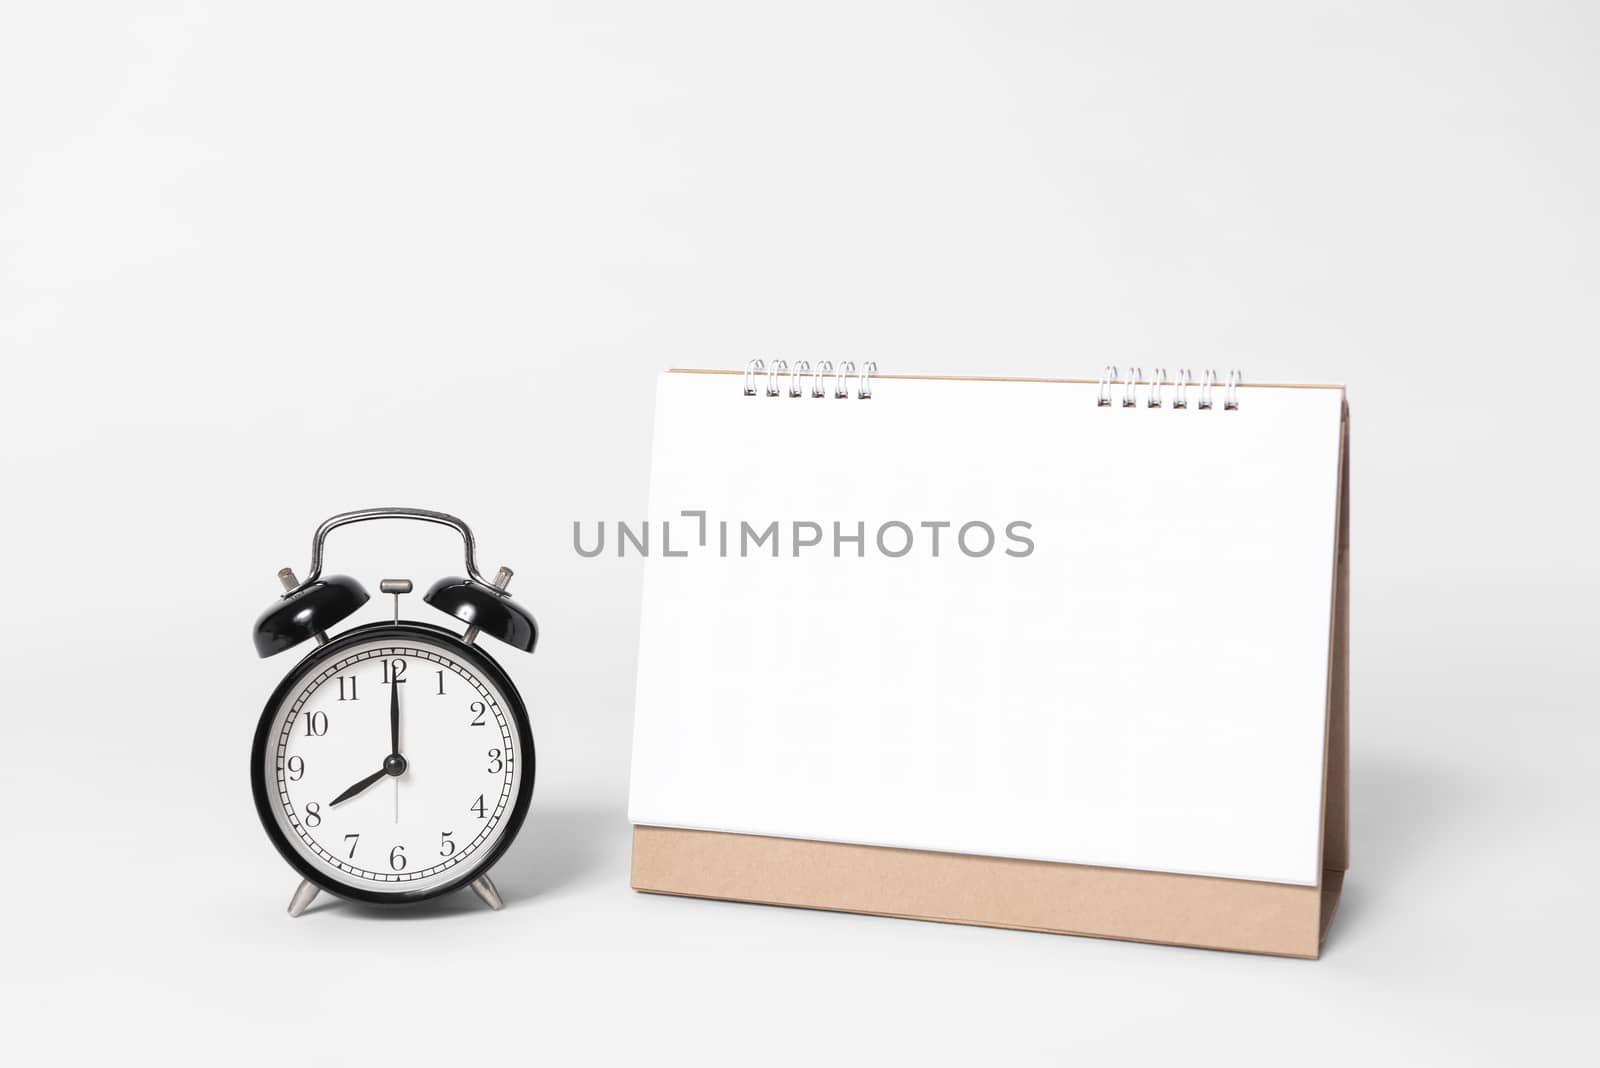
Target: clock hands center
x=394, y=764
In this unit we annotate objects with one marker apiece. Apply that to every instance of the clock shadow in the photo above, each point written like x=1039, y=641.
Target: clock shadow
x=556, y=849
x=563, y=848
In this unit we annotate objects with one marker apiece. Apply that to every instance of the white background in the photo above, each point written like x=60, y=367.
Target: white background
x=261, y=263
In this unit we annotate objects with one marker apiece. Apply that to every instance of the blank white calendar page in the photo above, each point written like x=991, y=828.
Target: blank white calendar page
x=1145, y=688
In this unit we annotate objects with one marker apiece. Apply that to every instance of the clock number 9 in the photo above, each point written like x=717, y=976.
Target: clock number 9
x=496, y=762
x=297, y=768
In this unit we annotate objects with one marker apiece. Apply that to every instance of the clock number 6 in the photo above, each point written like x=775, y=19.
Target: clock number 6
x=397, y=858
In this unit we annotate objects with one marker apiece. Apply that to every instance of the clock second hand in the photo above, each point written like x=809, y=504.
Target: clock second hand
x=394, y=734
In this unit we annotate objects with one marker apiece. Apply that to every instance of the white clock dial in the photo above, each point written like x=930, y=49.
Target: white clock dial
x=374, y=823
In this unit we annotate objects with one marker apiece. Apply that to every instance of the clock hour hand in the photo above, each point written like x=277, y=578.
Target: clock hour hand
x=358, y=787
x=393, y=764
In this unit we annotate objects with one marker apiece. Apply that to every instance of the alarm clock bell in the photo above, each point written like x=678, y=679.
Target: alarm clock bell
x=485, y=609
x=306, y=611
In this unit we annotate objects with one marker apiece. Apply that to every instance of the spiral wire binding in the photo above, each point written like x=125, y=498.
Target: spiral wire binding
x=1158, y=385
x=1108, y=376
x=751, y=369
x=841, y=385
x=825, y=380
x=1130, y=387
x=1155, y=388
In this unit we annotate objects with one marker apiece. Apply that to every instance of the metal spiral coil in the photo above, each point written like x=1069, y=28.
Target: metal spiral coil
x=763, y=378
x=1163, y=391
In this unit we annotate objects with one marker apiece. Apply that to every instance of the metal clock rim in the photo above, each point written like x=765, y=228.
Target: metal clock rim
x=478, y=659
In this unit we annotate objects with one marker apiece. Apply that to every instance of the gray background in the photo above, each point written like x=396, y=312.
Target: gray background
x=262, y=263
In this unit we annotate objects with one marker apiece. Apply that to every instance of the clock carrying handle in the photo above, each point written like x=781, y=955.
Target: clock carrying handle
x=309, y=608
x=344, y=519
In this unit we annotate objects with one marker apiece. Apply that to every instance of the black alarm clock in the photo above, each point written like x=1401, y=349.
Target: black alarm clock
x=395, y=762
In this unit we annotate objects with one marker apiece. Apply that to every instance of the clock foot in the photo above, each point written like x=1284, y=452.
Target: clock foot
x=304, y=895
x=483, y=886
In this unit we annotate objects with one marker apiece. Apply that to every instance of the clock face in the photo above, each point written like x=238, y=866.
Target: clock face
x=394, y=763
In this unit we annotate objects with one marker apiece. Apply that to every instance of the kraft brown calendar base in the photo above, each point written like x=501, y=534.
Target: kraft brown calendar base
x=1031, y=895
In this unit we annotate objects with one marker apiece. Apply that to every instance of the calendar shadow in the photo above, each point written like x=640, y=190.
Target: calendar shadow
x=1401, y=816
x=556, y=849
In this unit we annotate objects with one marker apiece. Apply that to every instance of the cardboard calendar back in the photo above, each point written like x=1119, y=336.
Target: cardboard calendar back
x=991, y=651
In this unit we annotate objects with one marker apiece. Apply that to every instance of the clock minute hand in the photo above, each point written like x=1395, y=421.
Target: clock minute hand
x=362, y=785
x=394, y=718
